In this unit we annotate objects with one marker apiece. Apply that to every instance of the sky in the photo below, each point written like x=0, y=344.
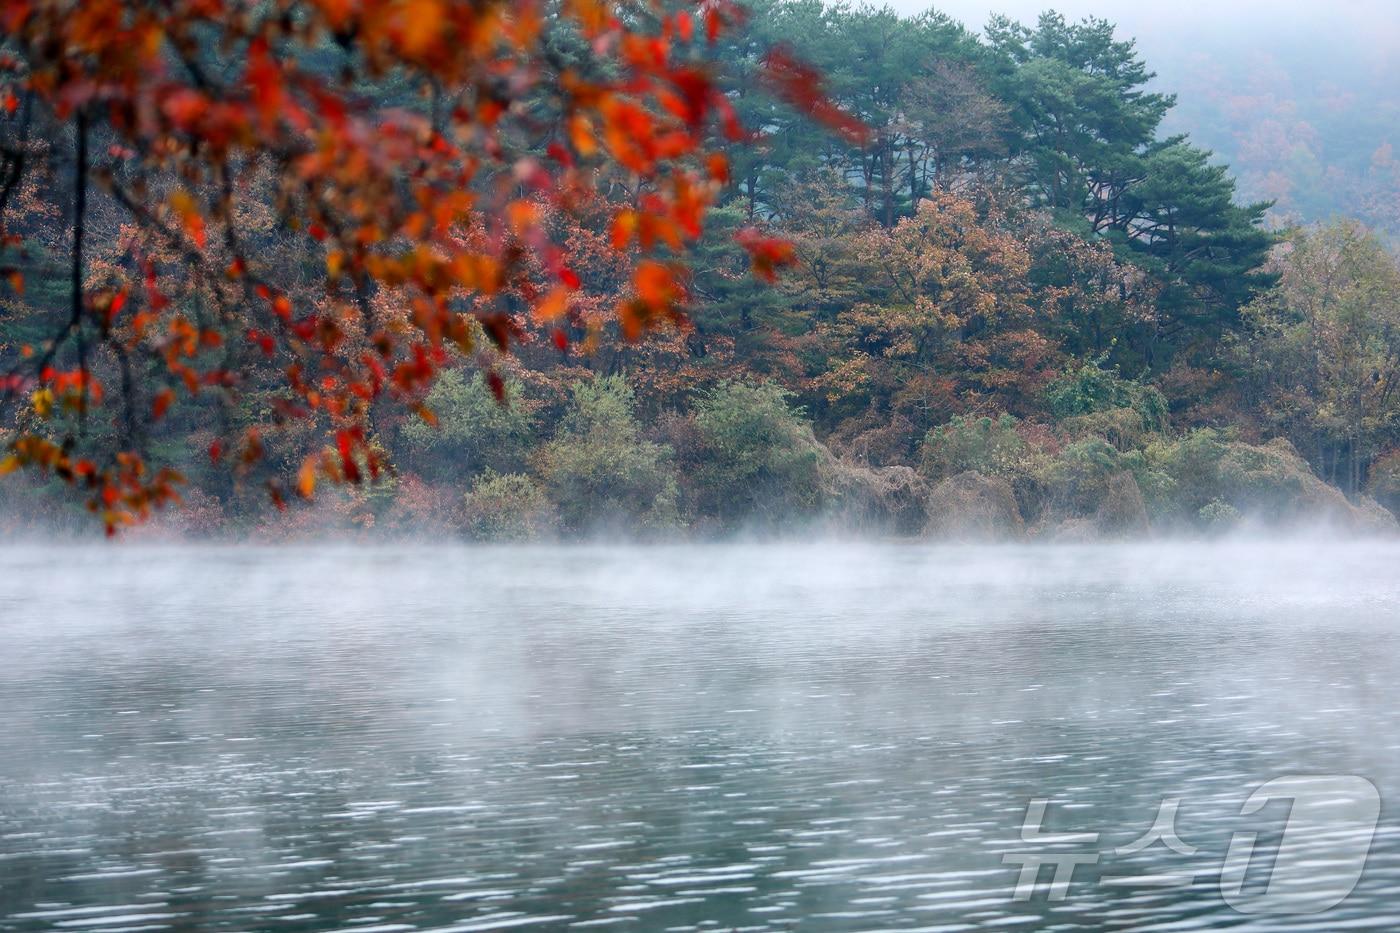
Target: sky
x=1177, y=13
x=1321, y=40
x=1336, y=20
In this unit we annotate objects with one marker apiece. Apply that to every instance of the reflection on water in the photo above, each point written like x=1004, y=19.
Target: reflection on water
x=760, y=738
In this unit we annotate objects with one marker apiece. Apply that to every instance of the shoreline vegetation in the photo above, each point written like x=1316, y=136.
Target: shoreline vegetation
x=980, y=480
x=1021, y=313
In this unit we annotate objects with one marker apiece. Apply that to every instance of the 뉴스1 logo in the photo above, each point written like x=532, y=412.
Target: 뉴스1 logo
x=1314, y=866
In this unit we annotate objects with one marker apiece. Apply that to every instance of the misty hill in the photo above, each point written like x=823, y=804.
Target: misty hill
x=1315, y=128
x=1301, y=100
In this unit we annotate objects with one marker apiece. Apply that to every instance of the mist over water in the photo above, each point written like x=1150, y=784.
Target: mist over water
x=824, y=736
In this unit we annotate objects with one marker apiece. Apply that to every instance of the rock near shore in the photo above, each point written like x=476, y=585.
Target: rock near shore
x=971, y=506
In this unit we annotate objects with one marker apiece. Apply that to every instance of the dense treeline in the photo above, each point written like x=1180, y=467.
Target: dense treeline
x=1020, y=307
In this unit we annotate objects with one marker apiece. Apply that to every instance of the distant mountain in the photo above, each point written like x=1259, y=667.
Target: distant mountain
x=1301, y=98
x=1314, y=126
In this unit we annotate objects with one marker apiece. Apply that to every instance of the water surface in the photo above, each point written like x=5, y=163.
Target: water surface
x=818, y=737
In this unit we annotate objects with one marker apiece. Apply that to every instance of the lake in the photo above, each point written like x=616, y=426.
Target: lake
x=821, y=736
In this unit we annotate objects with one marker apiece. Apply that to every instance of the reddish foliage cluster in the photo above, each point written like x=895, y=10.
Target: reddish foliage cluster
x=417, y=149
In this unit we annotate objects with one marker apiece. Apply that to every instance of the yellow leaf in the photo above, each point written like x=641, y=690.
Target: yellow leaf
x=184, y=204
x=43, y=402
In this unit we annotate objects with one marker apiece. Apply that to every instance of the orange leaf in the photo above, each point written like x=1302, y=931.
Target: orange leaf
x=719, y=168
x=497, y=386
x=553, y=307
x=522, y=215
x=161, y=404
x=766, y=254
x=624, y=227
x=306, y=478
x=801, y=86
x=581, y=134
x=655, y=283
x=422, y=24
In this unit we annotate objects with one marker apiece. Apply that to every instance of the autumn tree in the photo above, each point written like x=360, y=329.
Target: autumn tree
x=326, y=202
x=954, y=330
x=1096, y=304
x=822, y=219
x=1323, y=350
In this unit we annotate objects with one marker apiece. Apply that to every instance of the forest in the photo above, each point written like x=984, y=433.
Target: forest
x=1015, y=305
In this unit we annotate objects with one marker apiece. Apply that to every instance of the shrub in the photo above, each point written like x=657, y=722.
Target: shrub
x=1217, y=515
x=1210, y=471
x=1121, y=427
x=475, y=432
x=599, y=471
x=1159, y=488
x=1192, y=466
x=421, y=509
x=972, y=506
x=508, y=507
x=758, y=459
x=874, y=499
x=1077, y=479
x=1274, y=480
x=980, y=445
x=1092, y=389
